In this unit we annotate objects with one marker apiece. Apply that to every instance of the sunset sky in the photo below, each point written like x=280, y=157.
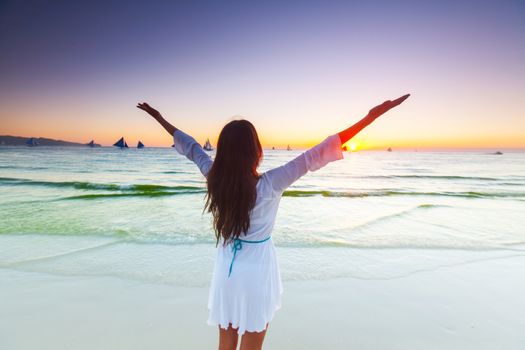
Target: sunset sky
x=298, y=71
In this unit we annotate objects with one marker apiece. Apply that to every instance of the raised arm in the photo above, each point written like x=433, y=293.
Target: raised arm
x=325, y=152
x=312, y=159
x=184, y=143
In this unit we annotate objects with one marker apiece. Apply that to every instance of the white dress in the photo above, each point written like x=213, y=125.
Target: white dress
x=246, y=292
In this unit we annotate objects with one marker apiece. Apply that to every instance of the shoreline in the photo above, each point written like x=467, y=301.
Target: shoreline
x=471, y=305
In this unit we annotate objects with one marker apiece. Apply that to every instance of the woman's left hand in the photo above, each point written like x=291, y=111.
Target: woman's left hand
x=150, y=110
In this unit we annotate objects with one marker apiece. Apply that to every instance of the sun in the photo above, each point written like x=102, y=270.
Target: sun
x=351, y=146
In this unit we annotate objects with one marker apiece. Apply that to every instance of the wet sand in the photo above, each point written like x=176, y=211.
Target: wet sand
x=477, y=305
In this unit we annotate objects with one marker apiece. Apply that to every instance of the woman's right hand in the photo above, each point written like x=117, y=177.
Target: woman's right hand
x=386, y=106
x=148, y=109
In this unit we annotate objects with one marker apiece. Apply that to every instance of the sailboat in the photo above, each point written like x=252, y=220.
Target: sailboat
x=32, y=142
x=140, y=145
x=389, y=149
x=92, y=144
x=121, y=143
x=288, y=148
x=207, y=146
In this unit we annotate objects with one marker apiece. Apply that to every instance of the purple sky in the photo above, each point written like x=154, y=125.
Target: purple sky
x=299, y=71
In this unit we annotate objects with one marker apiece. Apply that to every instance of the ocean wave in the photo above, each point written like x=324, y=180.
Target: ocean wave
x=393, y=216
x=136, y=194
x=139, y=190
x=435, y=177
x=19, y=167
x=209, y=240
x=79, y=185
x=181, y=190
x=387, y=193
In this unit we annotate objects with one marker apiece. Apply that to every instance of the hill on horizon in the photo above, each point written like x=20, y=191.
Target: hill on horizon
x=7, y=140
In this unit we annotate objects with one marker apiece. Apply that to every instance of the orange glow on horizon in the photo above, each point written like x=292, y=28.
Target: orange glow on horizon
x=377, y=137
x=158, y=138
x=351, y=146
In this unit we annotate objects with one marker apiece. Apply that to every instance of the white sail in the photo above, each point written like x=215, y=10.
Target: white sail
x=207, y=146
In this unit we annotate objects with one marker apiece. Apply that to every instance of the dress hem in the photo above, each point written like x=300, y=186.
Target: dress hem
x=241, y=332
x=237, y=326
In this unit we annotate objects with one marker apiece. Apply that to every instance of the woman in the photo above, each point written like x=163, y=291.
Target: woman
x=246, y=287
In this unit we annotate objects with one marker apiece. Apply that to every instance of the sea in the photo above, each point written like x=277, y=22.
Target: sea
x=138, y=214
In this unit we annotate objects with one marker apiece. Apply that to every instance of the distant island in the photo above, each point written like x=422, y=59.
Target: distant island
x=7, y=140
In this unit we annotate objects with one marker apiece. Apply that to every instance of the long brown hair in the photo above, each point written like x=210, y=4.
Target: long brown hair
x=232, y=179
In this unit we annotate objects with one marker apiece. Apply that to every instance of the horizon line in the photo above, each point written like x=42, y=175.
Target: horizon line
x=414, y=148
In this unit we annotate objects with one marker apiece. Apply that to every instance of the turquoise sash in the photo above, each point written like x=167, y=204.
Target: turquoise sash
x=237, y=245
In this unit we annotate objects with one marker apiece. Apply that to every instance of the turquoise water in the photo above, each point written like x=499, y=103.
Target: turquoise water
x=138, y=213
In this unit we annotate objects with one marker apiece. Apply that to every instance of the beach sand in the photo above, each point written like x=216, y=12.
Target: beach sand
x=475, y=305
